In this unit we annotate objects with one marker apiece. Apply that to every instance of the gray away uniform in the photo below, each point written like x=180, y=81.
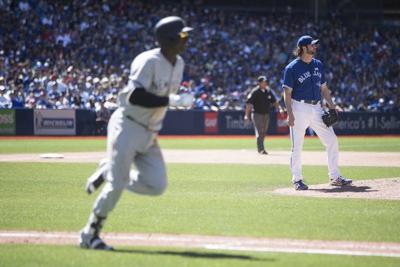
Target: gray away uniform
x=132, y=133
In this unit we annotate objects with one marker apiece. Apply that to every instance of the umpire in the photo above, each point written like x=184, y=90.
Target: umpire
x=259, y=102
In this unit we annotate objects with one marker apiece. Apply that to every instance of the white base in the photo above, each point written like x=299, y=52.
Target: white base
x=52, y=156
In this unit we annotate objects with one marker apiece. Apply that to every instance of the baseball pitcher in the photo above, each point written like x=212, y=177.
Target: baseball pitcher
x=304, y=87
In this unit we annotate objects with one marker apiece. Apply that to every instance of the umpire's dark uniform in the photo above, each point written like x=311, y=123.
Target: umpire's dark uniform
x=259, y=101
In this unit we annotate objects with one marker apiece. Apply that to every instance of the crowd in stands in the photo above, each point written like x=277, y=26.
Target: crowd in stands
x=77, y=54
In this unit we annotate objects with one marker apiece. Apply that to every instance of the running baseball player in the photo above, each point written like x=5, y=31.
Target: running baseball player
x=304, y=87
x=154, y=80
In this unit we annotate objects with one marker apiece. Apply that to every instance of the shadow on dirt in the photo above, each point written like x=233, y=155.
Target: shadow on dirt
x=348, y=188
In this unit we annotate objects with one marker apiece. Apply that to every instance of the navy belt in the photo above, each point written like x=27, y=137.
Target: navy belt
x=312, y=102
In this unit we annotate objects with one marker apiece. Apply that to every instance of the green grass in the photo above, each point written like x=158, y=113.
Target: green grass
x=40, y=145
x=225, y=200
x=51, y=145
x=68, y=256
x=382, y=144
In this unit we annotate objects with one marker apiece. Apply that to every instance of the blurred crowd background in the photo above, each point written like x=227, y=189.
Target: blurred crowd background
x=77, y=54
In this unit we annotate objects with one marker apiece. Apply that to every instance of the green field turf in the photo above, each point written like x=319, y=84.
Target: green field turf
x=40, y=145
x=204, y=199
x=67, y=256
x=224, y=200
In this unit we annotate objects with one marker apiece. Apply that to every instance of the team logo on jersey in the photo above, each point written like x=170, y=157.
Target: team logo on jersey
x=317, y=73
x=304, y=76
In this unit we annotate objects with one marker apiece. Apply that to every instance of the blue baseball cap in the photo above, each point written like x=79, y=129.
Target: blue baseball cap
x=306, y=40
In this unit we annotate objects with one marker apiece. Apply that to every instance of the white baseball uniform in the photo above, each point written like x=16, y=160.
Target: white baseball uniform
x=305, y=80
x=132, y=132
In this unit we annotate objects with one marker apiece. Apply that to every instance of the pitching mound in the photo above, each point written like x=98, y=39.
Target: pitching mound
x=374, y=189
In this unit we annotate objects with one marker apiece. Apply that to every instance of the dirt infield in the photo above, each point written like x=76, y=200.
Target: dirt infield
x=212, y=243
x=384, y=159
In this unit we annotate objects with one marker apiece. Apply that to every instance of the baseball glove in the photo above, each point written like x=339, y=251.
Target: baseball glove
x=330, y=117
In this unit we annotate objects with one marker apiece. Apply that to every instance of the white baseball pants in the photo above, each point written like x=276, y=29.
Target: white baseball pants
x=308, y=115
x=129, y=143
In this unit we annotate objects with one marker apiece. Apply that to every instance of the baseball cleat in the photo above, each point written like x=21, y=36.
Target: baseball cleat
x=299, y=185
x=263, y=152
x=92, y=242
x=341, y=181
x=97, y=178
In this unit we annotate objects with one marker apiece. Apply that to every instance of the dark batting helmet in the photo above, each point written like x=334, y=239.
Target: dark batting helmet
x=170, y=29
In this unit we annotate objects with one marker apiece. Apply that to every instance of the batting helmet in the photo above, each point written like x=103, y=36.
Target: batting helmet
x=170, y=29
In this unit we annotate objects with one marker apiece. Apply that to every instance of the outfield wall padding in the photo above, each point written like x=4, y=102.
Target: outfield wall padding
x=185, y=122
x=192, y=122
x=24, y=121
x=85, y=122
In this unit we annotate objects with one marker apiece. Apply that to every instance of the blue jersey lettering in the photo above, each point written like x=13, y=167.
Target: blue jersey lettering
x=305, y=79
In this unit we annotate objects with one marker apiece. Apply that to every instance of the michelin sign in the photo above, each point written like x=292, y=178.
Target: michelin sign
x=54, y=122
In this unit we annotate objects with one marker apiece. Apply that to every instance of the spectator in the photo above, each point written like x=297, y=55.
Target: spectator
x=88, y=55
x=43, y=102
x=5, y=101
x=17, y=99
x=102, y=117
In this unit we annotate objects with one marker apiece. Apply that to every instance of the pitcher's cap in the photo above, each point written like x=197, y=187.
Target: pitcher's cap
x=306, y=40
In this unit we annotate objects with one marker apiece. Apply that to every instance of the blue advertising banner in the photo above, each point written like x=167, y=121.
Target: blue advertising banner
x=368, y=123
x=185, y=122
x=232, y=122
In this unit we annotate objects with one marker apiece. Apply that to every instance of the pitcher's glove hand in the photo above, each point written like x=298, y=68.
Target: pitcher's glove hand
x=330, y=117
